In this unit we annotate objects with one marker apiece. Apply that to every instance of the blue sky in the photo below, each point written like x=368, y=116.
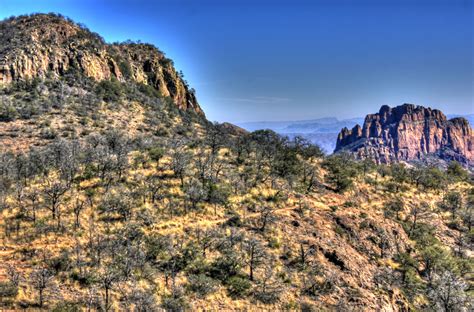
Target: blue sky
x=288, y=60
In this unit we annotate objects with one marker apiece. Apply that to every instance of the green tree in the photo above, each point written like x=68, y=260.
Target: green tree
x=341, y=171
x=456, y=172
x=156, y=154
x=452, y=202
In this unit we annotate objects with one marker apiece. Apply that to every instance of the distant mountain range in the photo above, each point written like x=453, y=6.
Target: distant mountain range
x=321, y=131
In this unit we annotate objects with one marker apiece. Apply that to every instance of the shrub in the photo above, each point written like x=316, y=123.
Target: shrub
x=234, y=221
x=125, y=69
x=7, y=112
x=456, y=172
x=149, y=91
x=341, y=171
x=84, y=279
x=307, y=307
x=48, y=133
x=8, y=290
x=67, y=307
x=175, y=303
x=110, y=90
x=201, y=284
x=156, y=153
x=238, y=286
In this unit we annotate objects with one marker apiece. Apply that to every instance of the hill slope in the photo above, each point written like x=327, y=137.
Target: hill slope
x=60, y=80
x=42, y=45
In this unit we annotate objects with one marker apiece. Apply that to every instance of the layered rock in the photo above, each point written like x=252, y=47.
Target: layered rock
x=47, y=44
x=409, y=132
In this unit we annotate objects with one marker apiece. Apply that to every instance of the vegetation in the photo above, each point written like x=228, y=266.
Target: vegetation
x=113, y=198
x=130, y=221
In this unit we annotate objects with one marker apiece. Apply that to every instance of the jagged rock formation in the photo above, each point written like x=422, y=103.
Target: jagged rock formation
x=48, y=44
x=409, y=132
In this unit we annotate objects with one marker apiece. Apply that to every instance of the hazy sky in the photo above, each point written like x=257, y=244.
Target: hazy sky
x=286, y=60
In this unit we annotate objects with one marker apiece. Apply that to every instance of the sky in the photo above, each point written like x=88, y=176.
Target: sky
x=297, y=59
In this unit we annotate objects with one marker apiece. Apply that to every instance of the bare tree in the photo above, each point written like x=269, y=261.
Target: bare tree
x=268, y=287
x=33, y=197
x=107, y=278
x=417, y=213
x=41, y=279
x=78, y=208
x=448, y=293
x=54, y=193
x=266, y=216
x=180, y=163
x=255, y=254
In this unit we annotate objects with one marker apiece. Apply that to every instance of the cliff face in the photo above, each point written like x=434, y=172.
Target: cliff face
x=46, y=44
x=409, y=132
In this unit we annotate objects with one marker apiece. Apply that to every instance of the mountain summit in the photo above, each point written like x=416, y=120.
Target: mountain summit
x=60, y=80
x=41, y=45
x=409, y=132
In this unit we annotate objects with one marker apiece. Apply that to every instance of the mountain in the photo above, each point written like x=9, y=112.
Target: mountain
x=60, y=80
x=468, y=117
x=45, y=44
x=322, y=131
x=409, y=132
x=323, y=125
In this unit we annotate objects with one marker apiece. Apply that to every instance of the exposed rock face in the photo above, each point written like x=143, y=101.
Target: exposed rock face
x=409, y=132
x=46, y=44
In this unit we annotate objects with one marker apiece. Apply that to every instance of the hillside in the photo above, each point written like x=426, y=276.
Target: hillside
x=59, y=80
x=49, y=45
x=118, y=196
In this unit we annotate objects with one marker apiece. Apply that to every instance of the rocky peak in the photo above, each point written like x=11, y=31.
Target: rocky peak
x=409, y=132
x=34, y=46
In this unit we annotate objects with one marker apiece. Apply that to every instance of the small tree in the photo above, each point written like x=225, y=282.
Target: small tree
x=395, y=206
x=180, y=164
x=78, y=207
x=399, y=174
x=430, y=178
x=107, y=278
x=194, y=193
x=456, y=172
x=448, y=293
x=452, y=202
x=41, y=279
x=156, y=154
x=117, y=203
x=268, y=287
x=33, y=197
x=341, y=171
x=54, y=194
x=266, y=217
x=418, y=212
x=255, y=254
x=434, y=260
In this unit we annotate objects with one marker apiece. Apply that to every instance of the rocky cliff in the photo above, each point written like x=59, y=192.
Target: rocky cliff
x=42, y=45
x=409, y=132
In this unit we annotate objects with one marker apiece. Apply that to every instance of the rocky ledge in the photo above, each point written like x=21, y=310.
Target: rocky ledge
x=40, y=45
x=409, y=132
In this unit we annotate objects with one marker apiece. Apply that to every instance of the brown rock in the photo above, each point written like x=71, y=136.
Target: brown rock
x=409, y=132
x=48, y=44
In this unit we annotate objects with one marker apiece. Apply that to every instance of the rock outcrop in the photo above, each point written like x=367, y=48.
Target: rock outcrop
x=409, y=132
x=47, y=44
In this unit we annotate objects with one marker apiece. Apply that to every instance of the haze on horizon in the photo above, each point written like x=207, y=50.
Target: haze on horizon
x=297, y=60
